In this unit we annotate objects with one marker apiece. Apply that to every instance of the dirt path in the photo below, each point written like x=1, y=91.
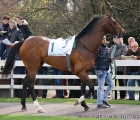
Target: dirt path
x=67, y=109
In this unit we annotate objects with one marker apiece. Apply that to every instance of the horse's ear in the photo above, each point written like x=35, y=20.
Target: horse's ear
x=109, y=14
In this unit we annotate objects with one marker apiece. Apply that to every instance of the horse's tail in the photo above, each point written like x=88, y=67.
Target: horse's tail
x=11, y=58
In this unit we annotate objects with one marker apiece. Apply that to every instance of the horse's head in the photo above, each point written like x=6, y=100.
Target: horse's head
x=114, y=27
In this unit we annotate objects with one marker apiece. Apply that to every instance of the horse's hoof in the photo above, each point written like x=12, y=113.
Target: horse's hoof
x=41, y=111
x=76, y=103
x=86, y=109
x=24, y=109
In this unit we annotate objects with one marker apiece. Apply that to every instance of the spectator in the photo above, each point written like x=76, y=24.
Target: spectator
x=24, y=27
x=115, y=52
x=64, y=82
x=59, y=93
x=133, y=70
x=16, y=35
x=130, y=40
x=42, y=71
x=26, y=32
x=4, y=27
x=103, y=75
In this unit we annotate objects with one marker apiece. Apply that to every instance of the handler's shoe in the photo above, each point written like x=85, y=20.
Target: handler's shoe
x=101, y=106
x=106, y=103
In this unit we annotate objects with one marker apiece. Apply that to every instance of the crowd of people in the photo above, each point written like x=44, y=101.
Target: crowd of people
x=104, y=57
x=19, y=30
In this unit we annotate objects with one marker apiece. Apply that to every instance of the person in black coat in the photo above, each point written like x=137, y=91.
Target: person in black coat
x=4, y=27
x=24, y=27
x=103, y=75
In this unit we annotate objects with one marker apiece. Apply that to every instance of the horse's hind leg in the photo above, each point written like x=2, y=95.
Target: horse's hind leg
x=31, y=90
x=23, y=97
x=83, y=90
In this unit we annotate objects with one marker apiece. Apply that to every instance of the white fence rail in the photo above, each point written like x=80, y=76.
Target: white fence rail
x=118, y=63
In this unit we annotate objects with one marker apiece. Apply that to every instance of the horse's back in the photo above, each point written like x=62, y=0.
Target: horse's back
x=36, y=40
x=34, y=48
x=35, y=43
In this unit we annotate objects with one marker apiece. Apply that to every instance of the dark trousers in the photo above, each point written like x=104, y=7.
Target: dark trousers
x=18, y=81
x=74, y=93
x=74, y=82
x=42, y=71
x=121, y=83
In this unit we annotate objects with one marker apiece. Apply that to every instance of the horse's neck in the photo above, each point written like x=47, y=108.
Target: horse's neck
x=94, y=40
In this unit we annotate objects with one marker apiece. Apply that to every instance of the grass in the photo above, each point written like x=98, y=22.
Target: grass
x=71, y=100
x=35, y=117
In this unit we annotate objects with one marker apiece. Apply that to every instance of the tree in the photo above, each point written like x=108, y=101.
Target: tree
x=53, y=18
x=8, y=6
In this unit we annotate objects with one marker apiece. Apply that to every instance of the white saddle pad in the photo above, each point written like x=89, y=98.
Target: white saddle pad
x=60, y=47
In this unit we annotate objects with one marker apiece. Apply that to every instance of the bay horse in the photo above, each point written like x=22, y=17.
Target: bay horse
x=34, y=53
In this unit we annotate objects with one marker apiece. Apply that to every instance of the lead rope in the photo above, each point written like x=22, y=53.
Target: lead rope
x=115, y=69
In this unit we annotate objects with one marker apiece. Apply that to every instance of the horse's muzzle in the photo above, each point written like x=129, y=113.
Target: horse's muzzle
x=119, y=34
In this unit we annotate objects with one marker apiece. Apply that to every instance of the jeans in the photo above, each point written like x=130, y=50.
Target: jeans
x=3, y=50
x=102, y=77
x=42, y=71
x=58, y=82
x=131, y=82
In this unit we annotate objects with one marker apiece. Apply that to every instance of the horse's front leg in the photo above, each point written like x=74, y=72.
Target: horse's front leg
x=83, y=90
x=85, y=79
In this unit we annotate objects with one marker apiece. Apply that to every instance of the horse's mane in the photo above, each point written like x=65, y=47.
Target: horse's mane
x=89, y=26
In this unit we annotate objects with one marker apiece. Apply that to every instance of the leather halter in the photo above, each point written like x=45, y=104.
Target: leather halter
x=113, y=27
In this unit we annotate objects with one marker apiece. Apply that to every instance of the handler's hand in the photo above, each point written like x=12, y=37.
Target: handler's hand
x=112, y=59
x=134, y=57
x=122, y=57
x=12, y=44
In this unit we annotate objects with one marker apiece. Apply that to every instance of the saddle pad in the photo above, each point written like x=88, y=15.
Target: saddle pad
x=60, y=47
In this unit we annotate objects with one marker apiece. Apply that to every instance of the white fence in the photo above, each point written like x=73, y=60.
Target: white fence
x=118, y=63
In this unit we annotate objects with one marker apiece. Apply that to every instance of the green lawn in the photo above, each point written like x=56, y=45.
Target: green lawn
x=35, y=117
x=71, y=100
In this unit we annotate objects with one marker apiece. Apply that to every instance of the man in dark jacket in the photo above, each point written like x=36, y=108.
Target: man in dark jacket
x=14, y=36
x=24, y=27
x=4, y=27
x=134, y=51
x=103, y=75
